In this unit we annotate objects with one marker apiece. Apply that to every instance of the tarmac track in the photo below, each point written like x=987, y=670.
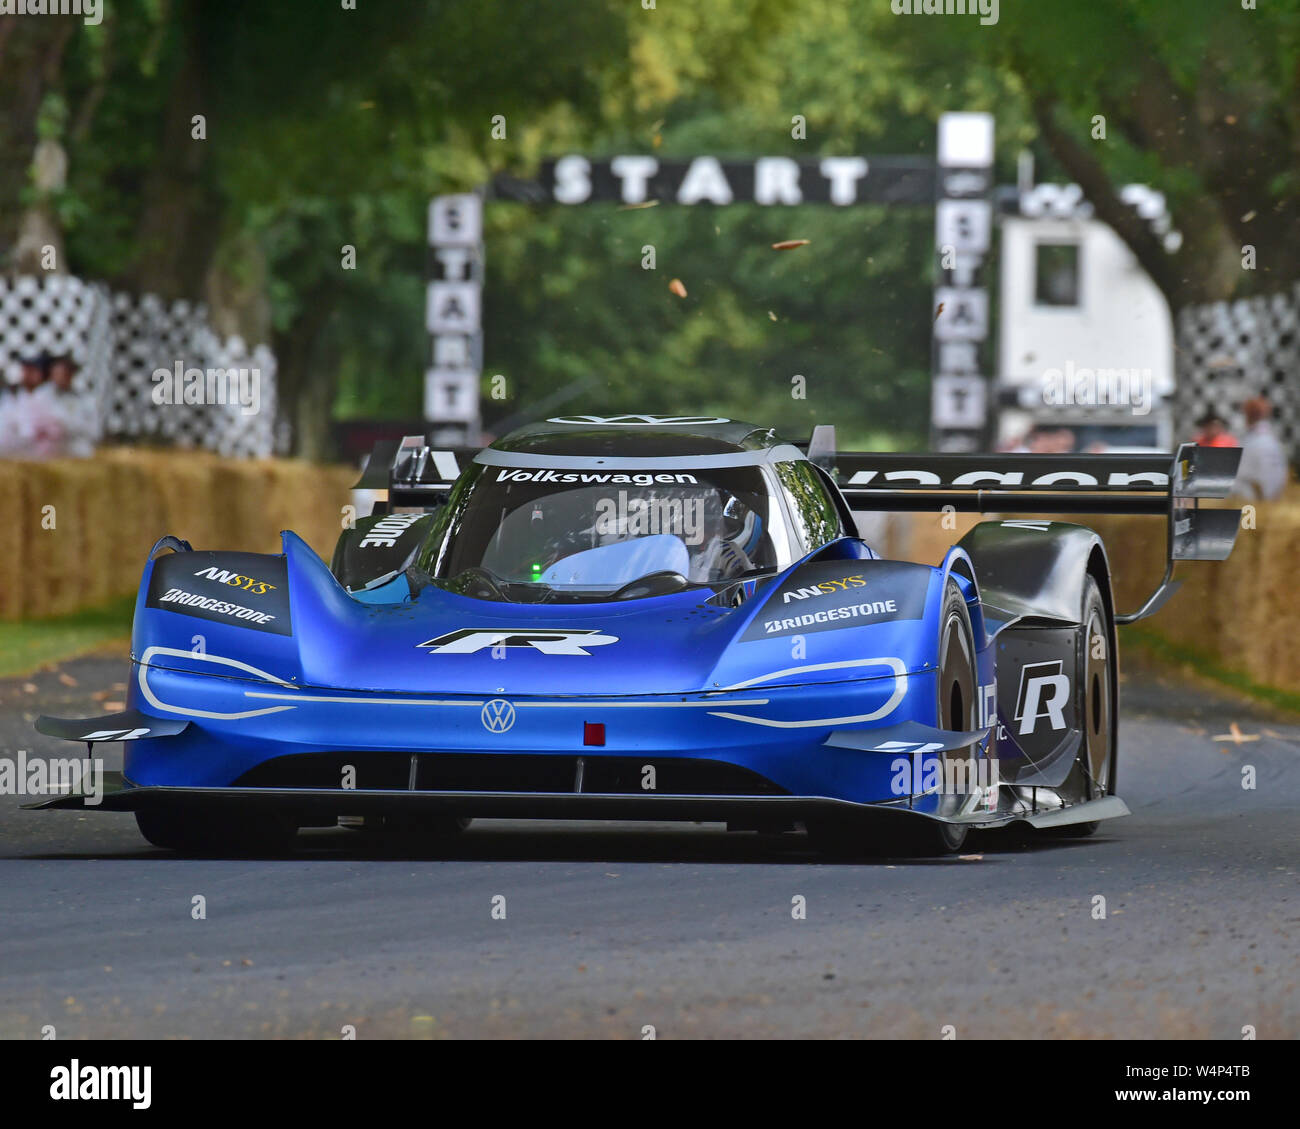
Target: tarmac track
x=610, y=929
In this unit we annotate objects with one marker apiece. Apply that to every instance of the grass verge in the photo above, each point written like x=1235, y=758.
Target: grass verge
x=27, y=645
x=1161, y=650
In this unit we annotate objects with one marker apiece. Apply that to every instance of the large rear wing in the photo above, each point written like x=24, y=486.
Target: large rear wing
x=413, y=473
x=1161, y=485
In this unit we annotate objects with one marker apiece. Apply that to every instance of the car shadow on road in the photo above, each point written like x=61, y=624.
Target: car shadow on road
x=513, y=843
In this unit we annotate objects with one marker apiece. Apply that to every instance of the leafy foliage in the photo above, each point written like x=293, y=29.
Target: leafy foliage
x=329, y=127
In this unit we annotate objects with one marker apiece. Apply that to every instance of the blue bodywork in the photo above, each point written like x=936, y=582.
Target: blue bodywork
x=683, y=677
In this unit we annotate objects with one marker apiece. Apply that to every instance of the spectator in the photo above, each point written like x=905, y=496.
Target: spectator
x=1044, y=440
x=1262, y=474
x=31, y=426
x=62, y=370
x=34, y=371
x=43, y=417
x=1214, y=432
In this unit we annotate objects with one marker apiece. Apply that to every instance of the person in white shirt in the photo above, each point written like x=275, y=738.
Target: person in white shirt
x=1263, y=472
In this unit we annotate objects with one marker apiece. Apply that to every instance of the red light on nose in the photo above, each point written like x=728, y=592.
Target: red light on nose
x=593, y=732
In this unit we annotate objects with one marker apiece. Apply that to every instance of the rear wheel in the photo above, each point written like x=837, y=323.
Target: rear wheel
x=203, y=833
x=955, y=688
x=1092, y=775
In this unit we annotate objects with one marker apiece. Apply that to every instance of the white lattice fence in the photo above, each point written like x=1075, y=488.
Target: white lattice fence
x=120, y=341
x=1231, y=351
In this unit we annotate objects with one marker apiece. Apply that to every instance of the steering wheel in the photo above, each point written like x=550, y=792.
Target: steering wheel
x=480, y=584
x=652, y=584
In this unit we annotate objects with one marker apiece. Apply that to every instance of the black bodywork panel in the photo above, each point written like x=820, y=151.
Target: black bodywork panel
x=1040, y=691
x=126, y=725
x=378, y=549
x=244, y=589
x=826, y=595
x=1032, y=577
x=1035, y=569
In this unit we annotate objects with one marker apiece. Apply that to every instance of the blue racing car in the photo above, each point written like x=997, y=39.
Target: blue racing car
x=649, y=617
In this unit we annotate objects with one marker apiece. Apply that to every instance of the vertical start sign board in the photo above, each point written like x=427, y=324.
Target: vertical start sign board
x=963, y=235
x=454, y=319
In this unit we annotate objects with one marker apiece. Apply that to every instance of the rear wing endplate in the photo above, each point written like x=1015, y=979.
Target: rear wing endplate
x=413, y=473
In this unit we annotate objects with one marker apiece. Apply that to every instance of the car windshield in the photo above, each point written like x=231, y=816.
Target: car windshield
x=598, y=531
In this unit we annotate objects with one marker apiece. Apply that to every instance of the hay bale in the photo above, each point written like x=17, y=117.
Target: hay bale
x=1274, y=653
x=109, y=510
x=326, y=490
x=138, y=517
x=189, y=505
x=54, y=524
x=14, y=578
x=241, y=492
x=101, y=531
x=925, y=537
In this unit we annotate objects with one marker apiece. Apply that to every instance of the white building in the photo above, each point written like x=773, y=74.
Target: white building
x=1086, y=339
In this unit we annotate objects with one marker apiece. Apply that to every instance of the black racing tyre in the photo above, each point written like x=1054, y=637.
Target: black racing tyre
x=917, y=836
x=957, y=691
x=201, y=833
x=1092, y=775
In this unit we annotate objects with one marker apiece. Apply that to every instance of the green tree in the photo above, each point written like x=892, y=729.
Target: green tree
x=1200, y=99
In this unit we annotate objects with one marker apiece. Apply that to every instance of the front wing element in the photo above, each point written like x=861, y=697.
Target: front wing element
x=317, y=803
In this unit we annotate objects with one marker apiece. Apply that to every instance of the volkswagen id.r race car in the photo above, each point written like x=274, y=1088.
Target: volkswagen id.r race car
x=651, y=618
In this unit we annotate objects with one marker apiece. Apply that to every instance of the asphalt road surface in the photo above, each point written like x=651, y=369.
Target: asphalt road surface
x=611, y=929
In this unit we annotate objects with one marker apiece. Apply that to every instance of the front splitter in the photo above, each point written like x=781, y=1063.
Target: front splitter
x=316, y=803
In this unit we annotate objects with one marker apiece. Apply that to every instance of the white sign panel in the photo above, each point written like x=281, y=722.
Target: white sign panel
x=964, y=225
x=451, y=395
x=959, y=356
x=456, y=221
x=966, y=139
x=963, y=314
x=453, y=307
x=453, y=350
x=958, y=402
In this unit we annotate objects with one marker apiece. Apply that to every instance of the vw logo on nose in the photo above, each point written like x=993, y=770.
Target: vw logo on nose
x=498, y=715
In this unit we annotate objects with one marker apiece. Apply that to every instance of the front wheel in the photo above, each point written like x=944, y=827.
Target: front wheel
x=917, y=838
x=955, y=689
